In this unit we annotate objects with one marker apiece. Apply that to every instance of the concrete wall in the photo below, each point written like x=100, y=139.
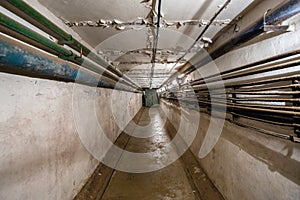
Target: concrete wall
x=41, y=156
x=246, y=164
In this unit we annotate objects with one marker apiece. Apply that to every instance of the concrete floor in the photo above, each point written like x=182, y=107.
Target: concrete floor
x=183, y=179
x=170, y=182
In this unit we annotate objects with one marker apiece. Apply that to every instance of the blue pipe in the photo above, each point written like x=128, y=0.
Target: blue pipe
x=17, y=60
x=280, y=13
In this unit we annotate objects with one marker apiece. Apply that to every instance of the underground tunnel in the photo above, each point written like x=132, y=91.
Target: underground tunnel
x=150, y=99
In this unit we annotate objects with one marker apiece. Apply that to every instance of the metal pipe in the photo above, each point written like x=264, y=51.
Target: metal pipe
x=269, y=99
x=252, y=89
x=202, y=32
x=229, y=102
x=197, y=39
x=19, y=31
x=267, y=92
x=249, y=92
x=265, y=121
x=283, y=136
x=264, y=88
x=17, y=59
x=252, y=82
x=282, y=12
x=266, y=132
x=260, y=62
x=231, y=106
x=25, y=11
x=267, y=68
x=291, y=108
x=252, y=71
x=39, y=41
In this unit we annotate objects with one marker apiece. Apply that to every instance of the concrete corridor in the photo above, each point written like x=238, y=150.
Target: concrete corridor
x=175, y=181
x=150, y=100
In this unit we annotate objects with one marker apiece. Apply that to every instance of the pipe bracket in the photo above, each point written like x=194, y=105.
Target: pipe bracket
x=276, y=28
x=71, y=57
x=66, y=41
x=269, y=28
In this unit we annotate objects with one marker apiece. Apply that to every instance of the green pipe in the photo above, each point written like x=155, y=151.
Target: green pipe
x=45, y=42
x=44, y=24
x=19, y=28
x=22, y=6
x=16, y=59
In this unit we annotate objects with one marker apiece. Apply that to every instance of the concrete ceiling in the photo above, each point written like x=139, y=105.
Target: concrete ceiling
x=131, y=49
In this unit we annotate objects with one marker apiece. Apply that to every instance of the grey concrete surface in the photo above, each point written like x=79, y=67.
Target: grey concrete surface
x=170, y=182
x=41, y=156
x=246, y=164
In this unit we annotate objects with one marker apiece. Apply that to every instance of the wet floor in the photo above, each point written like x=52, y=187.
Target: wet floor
x=169, y=182
x=160, y=175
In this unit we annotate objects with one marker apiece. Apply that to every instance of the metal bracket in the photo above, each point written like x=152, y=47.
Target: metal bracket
x=274, y=28
x=63, y=41
x=295, y=139
x=72, y=57
x=234, y=97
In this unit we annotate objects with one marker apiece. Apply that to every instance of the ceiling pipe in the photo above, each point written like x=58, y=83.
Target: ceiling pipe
x=9, y=25
x=19, y=31
x=195, y=42
x=26, y=12
x=279, y=14
x=19, y=59
x=203, y=31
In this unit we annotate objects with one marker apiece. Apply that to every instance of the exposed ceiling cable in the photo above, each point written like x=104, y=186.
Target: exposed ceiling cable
x=154, y=49
x=147, y=52
x=140, y=23
x=200, y=37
